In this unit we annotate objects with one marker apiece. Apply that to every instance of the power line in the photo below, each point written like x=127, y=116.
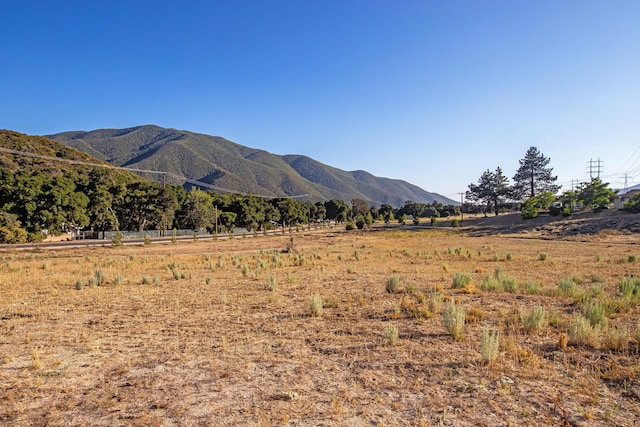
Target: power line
x=164, y=174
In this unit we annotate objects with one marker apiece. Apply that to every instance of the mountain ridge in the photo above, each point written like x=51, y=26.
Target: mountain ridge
x=225, y=164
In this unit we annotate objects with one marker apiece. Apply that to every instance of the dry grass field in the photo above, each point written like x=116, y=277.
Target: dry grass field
x=428, y=327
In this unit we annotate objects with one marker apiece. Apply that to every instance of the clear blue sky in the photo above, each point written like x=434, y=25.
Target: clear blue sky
x=432, y=92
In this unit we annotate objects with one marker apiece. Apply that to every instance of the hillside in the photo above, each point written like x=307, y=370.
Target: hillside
x=50, y=157
x=225, y=164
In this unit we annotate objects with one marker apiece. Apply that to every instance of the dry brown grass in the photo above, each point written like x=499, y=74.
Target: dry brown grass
x=189, y=334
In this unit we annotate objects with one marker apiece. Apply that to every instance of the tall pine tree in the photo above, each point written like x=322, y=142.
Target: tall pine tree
x=534, y=176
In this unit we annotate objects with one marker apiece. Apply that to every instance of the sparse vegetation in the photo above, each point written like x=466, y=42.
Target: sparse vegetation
x=198, y=320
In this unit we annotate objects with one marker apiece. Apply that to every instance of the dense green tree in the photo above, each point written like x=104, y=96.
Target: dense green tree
x=136, y=206
x=533, y=205
x=198, y=212
x=492, y=189
x=533, y=176
x=633, y=205
x=595, y=194
x=318, y=212
x=250, y=212
x=292, y=212
x=337, y=210
x=386, y=213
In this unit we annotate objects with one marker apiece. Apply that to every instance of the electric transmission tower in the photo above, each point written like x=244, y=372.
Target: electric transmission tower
x=595, y=166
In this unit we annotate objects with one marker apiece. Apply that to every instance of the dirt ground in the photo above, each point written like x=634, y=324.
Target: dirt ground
x=225, y=332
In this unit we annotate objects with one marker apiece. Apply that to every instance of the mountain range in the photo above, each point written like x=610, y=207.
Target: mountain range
x=228, y=166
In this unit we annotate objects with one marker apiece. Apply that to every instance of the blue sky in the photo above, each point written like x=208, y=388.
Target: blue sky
x=431, y=92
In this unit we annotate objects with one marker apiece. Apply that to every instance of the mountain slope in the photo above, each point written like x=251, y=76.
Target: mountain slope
x=227, y=165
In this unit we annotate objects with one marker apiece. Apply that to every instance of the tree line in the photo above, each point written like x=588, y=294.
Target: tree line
x=534, y=189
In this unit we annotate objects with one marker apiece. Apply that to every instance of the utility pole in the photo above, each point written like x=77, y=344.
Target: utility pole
x=626, y=183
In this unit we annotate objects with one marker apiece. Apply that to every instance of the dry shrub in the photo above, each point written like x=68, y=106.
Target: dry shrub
x=489, y=345
x=454, y=318
x=474, y=315
x=534, y=320
x=616, y=339
x=582, y=333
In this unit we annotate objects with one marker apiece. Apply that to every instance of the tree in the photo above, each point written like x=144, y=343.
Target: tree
x=359, y=207
x=633, y=205
x=386, y=213
x=10, y=229
x=337, y=210
x=595, y=194
x=533, y=205
x=492, y=189
x=533, y=176
x=199, y=212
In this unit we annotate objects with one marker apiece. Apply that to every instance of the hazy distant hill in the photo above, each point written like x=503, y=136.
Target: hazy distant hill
x=228, y=165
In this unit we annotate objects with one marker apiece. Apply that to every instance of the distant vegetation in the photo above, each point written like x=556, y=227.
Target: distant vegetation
x=534, y=190
x=40, y=196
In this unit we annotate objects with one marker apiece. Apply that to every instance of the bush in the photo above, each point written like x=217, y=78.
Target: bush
x=582, y=333
x=595, y=313
x=434, y=221
x=455, y=222
x=633, y=205
x=534, y=320
x=461, y=280
x=393, y=283
x=567, y=287
x=489, y=345
x=315, y=306
x=453, y=319
x=116, y=240
x=630, y=287
x=391, y=334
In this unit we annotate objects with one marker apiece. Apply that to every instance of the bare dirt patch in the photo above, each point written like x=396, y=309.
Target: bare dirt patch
x=199, y=334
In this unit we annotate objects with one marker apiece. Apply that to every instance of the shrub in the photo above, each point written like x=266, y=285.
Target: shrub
x=455, y=222
x=534, y=320
x=392, y=284
x=489, y=345
x=532, y=288
x=616, y=339
x=100, y=278
x=116, y=240
x=582, y=333
x=146, y=240
x=453, y=319
x=391, y=334
x=542, y=256
x=349, y=225
x=630, y=287
x=490, y=283
x=434, y=221
x=435, y=302
x=567, y=287
x=315, y=305
x=79, y=285
x=461, y=280
x=272, y=283
x=595, y=313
